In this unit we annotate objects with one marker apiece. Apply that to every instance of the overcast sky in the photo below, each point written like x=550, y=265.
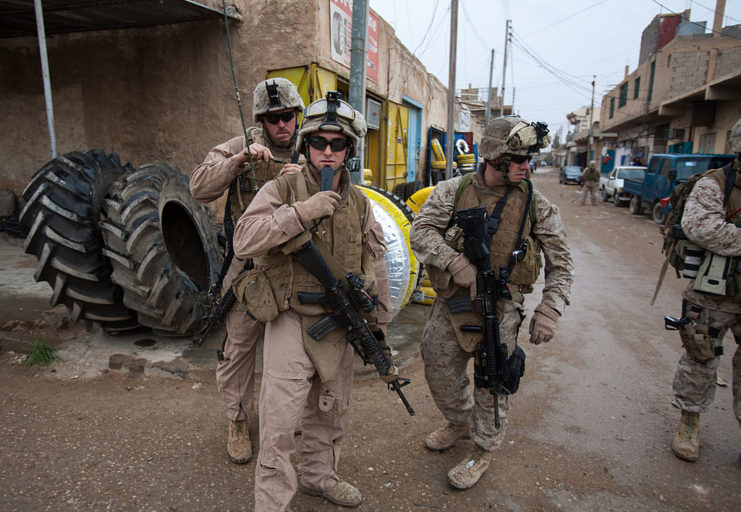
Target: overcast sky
x=567, y=41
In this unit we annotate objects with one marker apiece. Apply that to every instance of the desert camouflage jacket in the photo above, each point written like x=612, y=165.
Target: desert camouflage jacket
x=428, y=243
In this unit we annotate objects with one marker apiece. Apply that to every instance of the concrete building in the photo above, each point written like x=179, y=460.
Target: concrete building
x=683, y=97
x=581, y=148
x=152, y=80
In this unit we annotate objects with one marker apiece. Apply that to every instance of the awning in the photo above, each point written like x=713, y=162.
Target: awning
x=17, y=17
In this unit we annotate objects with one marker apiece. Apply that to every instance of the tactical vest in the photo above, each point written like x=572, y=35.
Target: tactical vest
x=733, y=215
x=504, y=241
x=472, y=193
x=342, y=234
x=242, y=190
x=591, y=174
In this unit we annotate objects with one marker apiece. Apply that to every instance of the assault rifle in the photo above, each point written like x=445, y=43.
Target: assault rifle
x=348, y=302
x=219, y=311
x=490, y=358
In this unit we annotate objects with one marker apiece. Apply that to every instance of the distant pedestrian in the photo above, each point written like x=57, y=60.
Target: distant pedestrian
x=590, y=180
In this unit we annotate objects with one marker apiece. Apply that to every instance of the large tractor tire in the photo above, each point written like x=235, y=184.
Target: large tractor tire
x=63, y=205
x=163, y=248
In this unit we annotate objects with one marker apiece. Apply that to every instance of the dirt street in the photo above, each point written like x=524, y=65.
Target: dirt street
x=135, y=423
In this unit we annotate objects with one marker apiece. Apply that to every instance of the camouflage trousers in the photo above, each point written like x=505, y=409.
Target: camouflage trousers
x=235, y=375
x=447, y=377
x=590, y=188
x=695, y=381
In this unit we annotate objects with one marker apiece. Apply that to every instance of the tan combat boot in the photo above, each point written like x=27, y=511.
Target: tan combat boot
x=468, y=471
x=239, y=446
x=686, y=442
x=343, y=494
x=444, y=438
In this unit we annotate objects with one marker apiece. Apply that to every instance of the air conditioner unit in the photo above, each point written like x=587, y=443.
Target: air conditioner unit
x=675, y=133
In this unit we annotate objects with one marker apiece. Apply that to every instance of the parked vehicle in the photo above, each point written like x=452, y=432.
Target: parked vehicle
x=664, y=172
x=570, y=174
x=611, y=184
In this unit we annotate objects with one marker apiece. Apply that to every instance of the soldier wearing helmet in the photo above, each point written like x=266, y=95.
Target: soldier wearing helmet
x=303, y=379
x=590, y=180
x=229, y=166
x=522, y=224
x=712, y=300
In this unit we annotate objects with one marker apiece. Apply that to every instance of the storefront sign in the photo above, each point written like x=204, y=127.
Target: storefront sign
x=340, y=22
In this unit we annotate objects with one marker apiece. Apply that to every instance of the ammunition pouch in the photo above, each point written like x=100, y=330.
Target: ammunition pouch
x=515, y=370
x=254, y=292
x=696, y=335
x=526, y=272
x=712, y=276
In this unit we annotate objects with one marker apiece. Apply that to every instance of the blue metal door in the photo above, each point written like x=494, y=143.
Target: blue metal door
x=414, y=141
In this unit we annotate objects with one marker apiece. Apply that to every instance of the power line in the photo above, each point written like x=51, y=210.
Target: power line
x=429, y=26
x=716, y=12
x=566, y=18
x=694, y=22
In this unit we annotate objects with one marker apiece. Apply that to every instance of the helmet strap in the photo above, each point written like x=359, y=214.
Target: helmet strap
x=503, y=167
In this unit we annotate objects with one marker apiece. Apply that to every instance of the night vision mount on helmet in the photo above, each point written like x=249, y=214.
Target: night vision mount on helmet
x=275, y=94
x=332, y=114
x=514, y=136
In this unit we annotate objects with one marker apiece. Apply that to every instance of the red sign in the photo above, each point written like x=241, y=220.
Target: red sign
x=340, y=23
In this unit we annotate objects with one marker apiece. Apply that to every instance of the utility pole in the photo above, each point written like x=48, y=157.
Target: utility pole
x=591, y=118
x=513, y=101
x=488, y=95
x=451, y=90
x=356, y=96
x=504, y=64
x=41, y=31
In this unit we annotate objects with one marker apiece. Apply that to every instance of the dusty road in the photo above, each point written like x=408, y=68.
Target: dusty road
x=590, y=428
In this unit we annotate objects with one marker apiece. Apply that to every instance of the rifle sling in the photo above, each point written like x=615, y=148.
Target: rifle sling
x=524, y=219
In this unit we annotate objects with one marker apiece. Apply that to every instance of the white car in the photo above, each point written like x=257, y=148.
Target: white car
x=611, y=185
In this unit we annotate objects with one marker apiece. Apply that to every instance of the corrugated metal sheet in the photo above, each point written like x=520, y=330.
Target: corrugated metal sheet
x=17, y=17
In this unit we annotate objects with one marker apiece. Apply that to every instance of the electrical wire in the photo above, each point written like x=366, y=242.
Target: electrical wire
x=566, y=18
x=694, y=22
x=571, y=82
x=429, y=26
x=716, y=12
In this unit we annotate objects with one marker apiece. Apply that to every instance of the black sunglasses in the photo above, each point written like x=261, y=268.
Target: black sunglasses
x=282, y=116
x=518, y=159
x=321, y=143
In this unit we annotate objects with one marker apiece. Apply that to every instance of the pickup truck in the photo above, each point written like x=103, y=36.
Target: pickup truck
x=611, y=184
x=665, y=171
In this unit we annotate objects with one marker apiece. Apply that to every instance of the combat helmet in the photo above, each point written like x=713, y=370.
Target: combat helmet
x=734, y=140
x=332, y=114
x=514, y=136
x=275, y=94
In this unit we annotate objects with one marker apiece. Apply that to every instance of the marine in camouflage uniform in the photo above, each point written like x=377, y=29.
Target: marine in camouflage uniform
x=713, y=222
x=302, y=378
x=590, y=180
x=507, y=145
x=270, y=145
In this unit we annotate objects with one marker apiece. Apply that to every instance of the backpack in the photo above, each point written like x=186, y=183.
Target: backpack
x=674, y=238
